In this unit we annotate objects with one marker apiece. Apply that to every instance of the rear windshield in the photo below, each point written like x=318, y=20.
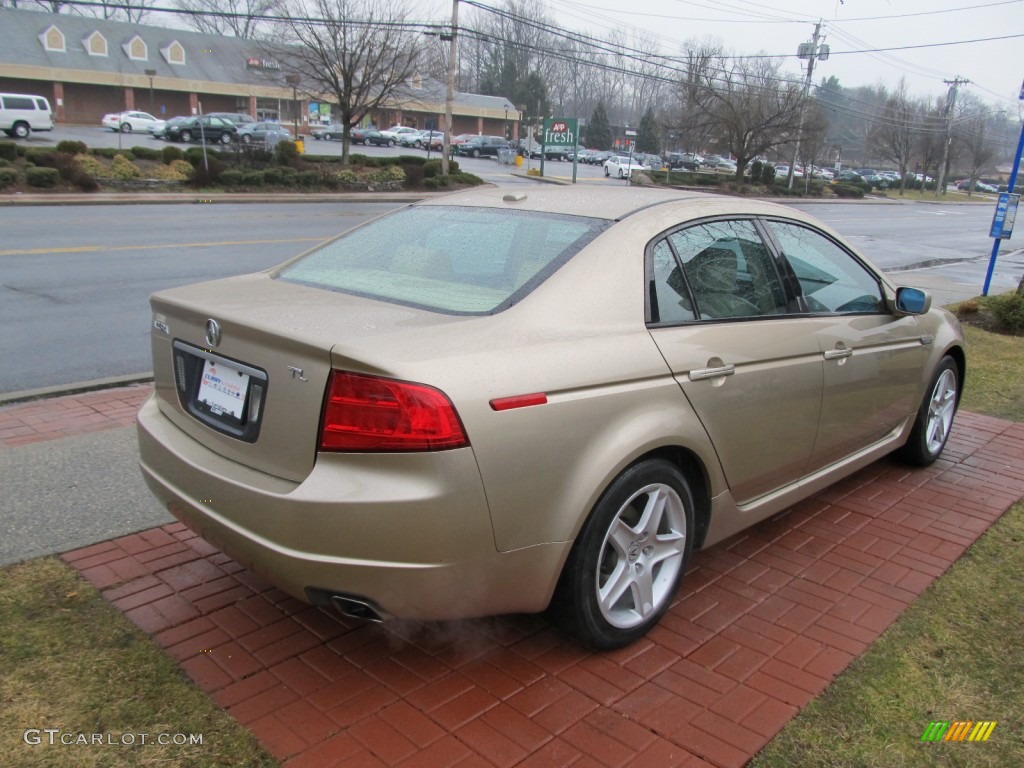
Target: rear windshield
x=454, y=260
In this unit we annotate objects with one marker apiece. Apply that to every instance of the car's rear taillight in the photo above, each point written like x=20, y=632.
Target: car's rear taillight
x=369, y=413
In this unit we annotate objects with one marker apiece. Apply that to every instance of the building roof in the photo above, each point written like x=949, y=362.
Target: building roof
x=104, y=52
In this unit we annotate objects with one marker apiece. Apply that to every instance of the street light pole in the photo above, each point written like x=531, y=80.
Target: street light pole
x=446, y=141
x=293, y=81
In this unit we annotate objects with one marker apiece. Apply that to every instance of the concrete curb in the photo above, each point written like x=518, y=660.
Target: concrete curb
x=61, y=390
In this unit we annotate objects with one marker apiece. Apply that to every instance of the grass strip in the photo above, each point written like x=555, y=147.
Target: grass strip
x=70, y=662
x=956, y=654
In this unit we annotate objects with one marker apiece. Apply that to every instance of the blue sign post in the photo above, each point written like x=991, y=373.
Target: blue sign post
x=1008, y=207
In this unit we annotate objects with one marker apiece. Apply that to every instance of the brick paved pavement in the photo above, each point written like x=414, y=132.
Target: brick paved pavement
x=763, y=623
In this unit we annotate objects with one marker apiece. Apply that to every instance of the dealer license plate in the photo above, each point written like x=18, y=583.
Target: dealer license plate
x=222, y=389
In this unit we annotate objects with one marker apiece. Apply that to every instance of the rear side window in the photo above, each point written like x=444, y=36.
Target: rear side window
x=447, y=259
x=19, y=102
x=723, y=270
x=43, y=105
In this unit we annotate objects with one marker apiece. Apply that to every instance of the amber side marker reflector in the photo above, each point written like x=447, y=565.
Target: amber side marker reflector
x=518, y=401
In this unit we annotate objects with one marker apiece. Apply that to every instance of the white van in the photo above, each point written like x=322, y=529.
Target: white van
x=22, y=113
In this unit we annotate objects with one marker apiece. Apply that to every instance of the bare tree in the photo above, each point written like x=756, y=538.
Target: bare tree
x=750, y=106
x=976, y=145
x=238, y=18
x=893, y=134
x=357, y=52
x=690, y=125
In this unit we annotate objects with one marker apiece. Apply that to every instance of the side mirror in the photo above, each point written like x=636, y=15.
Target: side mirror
x=912, y=301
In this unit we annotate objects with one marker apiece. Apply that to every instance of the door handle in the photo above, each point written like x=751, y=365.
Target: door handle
x=836, y=354
x=697, y=374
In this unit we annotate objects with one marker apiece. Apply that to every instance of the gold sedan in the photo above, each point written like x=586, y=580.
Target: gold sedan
x=492, y=403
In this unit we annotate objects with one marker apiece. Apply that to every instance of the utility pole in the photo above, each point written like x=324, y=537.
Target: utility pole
x=810, y=51
x=950, y=103
x=446, y=142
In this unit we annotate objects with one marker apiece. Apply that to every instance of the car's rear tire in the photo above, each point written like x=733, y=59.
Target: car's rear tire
x=20, y=130
x=476, y=153
x=328, y=136
x=626, y=564
x=935, y=416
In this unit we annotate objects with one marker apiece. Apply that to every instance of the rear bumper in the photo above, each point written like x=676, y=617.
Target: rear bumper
x=408, y=533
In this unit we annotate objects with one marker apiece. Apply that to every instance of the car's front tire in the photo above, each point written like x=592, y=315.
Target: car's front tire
x=935, y=416
x=476, y=153
x=246, y=138
x=626, y=564
x=225, y=138
x=606, y=172
x=186, y=136
x=126, y=128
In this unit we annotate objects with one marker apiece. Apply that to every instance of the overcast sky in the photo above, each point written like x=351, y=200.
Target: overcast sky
x=921, y=29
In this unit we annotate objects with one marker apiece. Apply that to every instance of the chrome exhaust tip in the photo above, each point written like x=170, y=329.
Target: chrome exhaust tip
x=356, y=609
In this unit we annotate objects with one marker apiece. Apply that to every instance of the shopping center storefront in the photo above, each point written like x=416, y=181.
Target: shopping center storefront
x=89, y=67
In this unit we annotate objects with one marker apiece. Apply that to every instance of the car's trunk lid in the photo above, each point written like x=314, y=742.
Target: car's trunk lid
x=256, y=394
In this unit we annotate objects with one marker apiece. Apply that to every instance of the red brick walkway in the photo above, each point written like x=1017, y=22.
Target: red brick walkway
x=763, y=623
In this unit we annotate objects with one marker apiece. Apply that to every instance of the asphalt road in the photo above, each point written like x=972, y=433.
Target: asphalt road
x=75, y=281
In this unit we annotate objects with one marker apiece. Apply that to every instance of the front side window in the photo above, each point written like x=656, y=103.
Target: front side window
x=728, y=269
x=830, y=278
x=457, y=260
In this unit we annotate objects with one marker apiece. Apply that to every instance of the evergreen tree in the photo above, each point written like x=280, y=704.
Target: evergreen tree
x=648, y=138
x=599, y=131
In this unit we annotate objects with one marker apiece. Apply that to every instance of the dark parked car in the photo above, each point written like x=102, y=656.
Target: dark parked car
x=238, y=118
x=482, y=146
x=687, y=161
x=208, y=128
x=371, y=136
x=159, y=131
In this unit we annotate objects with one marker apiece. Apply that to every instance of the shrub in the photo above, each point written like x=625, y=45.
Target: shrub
x=285, y=152
x=195, y=156
x=8, y=150
x=466, y=178
x=307, y=179
x=38, y=155
x=146, y=153
x=170, y=153
x=203, y=176
x=346, y=177
x=123, y=169
x=279, y=175
x=252, y=178
x=756, y=171
x=436, y=182
x=41, y=177
x=390, y=173
x=8, y=177
x=767, y=174
x=1008, y=310
x=411, y=160
x=108, y=152
x=179, y=170
x=848, y=190
x=90, y=165
x=413, y=174
x=232, y=177
x=433, y=168
x=72, y=147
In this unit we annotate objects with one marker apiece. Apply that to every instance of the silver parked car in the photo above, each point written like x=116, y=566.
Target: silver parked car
x=492, y=402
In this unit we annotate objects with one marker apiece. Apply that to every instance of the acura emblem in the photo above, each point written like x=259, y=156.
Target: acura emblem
x=212, y=332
